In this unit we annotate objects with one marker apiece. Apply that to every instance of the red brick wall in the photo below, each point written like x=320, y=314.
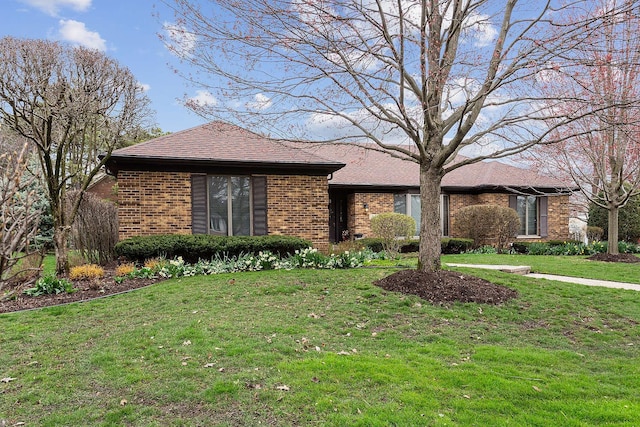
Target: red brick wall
x=558, y=212
x=360, y=218
x=153, y=203
x=160, y=203
x=299, y=206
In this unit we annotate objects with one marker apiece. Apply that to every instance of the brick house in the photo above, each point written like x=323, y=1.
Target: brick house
x=220, y=179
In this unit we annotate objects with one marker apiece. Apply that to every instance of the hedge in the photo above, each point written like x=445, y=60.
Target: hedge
x=201, y=246
x=448, y=245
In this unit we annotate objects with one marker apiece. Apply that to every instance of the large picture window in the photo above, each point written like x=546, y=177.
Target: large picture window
x=409, y=204
x=229, y=205
x=527, y=209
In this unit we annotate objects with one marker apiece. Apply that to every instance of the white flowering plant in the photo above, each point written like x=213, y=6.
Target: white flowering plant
x=264, y=260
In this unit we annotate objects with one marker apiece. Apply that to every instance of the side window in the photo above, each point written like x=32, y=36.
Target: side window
x=532, y=211
x=409, y=204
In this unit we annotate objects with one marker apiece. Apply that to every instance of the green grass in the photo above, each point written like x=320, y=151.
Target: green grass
x=575, y=266
x=324, y=348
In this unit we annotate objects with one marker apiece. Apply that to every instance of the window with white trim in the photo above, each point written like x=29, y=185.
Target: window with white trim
x=527, y=208
x=409, y=204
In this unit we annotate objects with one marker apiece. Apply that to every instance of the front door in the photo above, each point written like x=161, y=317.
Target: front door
x=338, y=229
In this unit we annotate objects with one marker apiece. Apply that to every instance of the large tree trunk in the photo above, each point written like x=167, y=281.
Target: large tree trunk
x=612, y=234
x=60, y=239
x=430, y=233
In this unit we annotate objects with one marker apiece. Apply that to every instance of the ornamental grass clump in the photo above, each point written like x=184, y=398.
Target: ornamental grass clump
x=86, y=272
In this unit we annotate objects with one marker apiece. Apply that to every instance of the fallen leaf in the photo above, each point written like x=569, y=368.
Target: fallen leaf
x=123, y=402
x=318, y=348
x=283, y=387
x=221, y=370
x=313, y=315
x=536, y=389
x=344, y=353
x=184, y=363
x=466, y=396
x=7, y=380
x=187, y=342
x=209, y=365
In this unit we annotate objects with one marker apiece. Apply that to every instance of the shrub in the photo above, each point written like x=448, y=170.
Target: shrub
x=50, y=285
x=391, y=227
x=373, y=243
x=455, y=246
x=408, y=246
x=86, y=272
x=195, y=247
x=95, y=229
x=594, y=233
x=448, y=245
x=488, y=224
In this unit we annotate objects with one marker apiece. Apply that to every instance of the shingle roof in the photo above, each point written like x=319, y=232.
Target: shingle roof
x=218, y=142
x=222, y=143
x=377, y=169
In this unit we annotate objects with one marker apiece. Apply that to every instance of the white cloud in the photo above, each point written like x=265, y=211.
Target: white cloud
x=260, y=102
x=77, y=33
x=180, y=42
x=203, y=98
x=481, y=30
x=52, y=7
x=144, y=86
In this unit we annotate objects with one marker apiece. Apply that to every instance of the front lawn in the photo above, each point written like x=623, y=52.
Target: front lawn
x=311, y=347
x=575, y=266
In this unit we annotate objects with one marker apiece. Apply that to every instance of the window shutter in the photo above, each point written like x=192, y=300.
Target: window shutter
x=543, y=205
x=513, y=202
x=259, y=188
x=199, y=204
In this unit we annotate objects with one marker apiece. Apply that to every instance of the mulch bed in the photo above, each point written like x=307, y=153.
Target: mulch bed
x=628, y=258
x=444, y=287
x=85, y=290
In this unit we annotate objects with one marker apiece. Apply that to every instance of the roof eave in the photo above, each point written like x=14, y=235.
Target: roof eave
x=147, y=163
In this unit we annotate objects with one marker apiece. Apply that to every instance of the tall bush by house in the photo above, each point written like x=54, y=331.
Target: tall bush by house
x=95, y=229
x=392, y=228
x=488, y=225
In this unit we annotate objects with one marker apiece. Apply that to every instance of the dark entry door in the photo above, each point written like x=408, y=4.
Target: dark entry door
x=337, y=216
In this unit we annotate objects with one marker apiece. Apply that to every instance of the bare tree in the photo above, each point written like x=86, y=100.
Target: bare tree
x=423, y=79
x=19, y=216
x=601, y=150
x=71, y=104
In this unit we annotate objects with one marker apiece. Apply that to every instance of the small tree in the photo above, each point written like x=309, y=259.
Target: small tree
x=19, y=216
x=628, y=219
x=391, y=228
x=71, y=104
x=488, y=224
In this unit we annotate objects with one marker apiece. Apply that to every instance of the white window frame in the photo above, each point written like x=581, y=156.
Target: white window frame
x=528, y=234
x=442, y=210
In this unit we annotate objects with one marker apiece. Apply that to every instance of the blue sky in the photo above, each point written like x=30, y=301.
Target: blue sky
x=125, y=30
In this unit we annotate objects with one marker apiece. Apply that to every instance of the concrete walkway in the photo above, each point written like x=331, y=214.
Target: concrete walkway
x=526, y=271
